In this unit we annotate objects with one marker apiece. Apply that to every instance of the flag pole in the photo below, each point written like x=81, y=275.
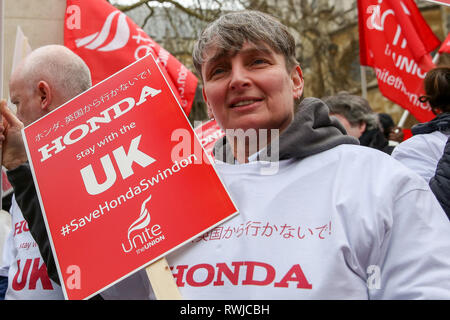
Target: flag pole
x=403, y=118
x=363, y=82
x=436, y=57
x=162, y=280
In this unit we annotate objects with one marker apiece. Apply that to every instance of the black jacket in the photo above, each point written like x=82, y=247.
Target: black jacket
x=375, y=139
x=440, y=183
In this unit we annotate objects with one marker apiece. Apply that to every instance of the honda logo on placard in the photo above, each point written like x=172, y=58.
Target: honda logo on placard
x=96, y=41
x=147, y=236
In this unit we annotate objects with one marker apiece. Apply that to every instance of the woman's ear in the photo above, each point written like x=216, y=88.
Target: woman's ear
x=208, y=108
x=297, y=81
x=45, y=95
x=210, y=113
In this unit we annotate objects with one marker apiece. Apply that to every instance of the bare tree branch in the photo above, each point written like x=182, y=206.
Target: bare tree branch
x=315, y=24
x=125, y=8
x=150, y=14
x=189, y=11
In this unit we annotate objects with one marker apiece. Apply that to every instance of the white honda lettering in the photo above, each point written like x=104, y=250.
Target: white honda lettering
x=92, y=124
x=147, y=91
x=57, y=147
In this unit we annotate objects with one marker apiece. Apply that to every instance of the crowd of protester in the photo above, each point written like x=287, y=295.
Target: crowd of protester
x=339, y=162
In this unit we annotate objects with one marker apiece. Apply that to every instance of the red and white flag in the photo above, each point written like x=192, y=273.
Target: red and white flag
x=396, y=41
x=108, y=40
x=445, y=47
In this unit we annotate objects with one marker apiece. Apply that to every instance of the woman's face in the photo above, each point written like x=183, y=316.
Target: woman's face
x=250, y=89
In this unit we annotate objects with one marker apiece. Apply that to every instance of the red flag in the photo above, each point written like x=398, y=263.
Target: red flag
x=395, y=40
x=445, y=47
x=407, y=134
x=107, y=40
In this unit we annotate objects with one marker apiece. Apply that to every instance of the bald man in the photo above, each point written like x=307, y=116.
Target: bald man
x=47, y=78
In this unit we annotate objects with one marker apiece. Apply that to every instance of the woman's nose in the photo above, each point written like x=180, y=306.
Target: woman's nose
x=239, y=78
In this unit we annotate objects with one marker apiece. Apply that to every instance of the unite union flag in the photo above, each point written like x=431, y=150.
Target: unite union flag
x=396, y=41
x=108, y=40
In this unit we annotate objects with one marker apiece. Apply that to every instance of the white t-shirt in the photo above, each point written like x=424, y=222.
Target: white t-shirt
x=5, y=228
x=421, y=153
x=347, y=223
x=27, y=276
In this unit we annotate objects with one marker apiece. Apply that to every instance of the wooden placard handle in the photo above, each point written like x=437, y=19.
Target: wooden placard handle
x=162, y=281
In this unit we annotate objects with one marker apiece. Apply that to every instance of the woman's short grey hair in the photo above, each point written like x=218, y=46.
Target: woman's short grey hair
x=230, y=31
x=65, y=71
x=354, y=108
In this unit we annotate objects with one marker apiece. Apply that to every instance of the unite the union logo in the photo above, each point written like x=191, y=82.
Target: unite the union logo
x=96, y=41
x=140, y=236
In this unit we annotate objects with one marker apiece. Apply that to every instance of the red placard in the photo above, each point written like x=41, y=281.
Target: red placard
x=122, y=179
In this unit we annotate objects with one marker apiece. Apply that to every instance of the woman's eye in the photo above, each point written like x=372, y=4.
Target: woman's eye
x=216, y=72
x=259, y=61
